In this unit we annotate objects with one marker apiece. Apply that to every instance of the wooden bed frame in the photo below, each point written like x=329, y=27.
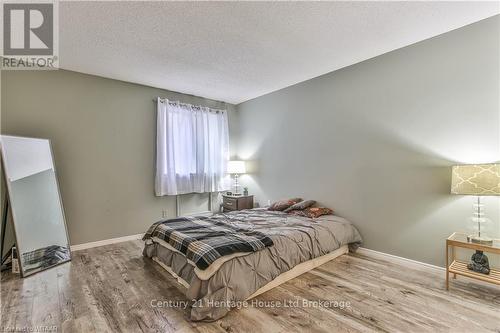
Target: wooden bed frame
x=300, y=269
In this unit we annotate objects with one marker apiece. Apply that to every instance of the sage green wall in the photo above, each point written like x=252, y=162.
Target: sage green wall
x=375, y=141
x=103, y=138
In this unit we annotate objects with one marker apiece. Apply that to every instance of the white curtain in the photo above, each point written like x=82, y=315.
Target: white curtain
x=192, y=149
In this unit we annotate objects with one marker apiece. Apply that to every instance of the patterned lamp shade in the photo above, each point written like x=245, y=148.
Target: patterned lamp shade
x=476, y=179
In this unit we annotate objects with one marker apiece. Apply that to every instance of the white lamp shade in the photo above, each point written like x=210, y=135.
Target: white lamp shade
x=236, y=167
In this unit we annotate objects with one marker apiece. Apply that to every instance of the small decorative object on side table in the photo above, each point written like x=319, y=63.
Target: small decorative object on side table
x=478, y=264
x=232, y=203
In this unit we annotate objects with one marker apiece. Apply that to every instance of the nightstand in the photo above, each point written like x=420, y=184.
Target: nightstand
x=460, y=267
x=232, y=202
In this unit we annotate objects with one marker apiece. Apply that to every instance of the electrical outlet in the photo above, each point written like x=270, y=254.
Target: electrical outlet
x=164, y=213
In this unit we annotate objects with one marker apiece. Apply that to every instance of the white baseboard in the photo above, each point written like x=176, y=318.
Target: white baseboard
x=386, y=256
x=361, y=250
x=84, y=246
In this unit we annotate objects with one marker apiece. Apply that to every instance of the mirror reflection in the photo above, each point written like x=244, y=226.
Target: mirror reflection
x=35, y=203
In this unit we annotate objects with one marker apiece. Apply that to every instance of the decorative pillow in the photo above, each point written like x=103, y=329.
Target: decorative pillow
x=297, y=212
x=313, y=212
x=284, y=204
x=300, y=205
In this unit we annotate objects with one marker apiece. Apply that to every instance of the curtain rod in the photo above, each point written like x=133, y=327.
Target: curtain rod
x=191, y=105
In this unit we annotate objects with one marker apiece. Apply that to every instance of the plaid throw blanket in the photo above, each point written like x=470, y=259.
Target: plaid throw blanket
x=204, y=239
x=45, y=257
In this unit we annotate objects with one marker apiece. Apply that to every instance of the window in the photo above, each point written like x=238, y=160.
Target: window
x=192, y=149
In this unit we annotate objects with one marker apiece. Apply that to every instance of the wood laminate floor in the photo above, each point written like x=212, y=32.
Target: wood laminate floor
x=110, y=289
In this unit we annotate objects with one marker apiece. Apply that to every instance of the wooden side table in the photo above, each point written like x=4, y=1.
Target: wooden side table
x=239, y=202
x=460, y=267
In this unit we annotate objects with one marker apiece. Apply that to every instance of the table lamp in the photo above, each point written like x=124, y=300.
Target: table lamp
x=236, y=168
x=477, y=180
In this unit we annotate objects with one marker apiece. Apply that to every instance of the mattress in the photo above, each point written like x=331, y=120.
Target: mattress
x=235, y=278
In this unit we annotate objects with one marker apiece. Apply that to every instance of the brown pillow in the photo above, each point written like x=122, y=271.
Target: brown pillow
x=312, y=212
x=297, y=212
x=300, y=205
x=284, y=204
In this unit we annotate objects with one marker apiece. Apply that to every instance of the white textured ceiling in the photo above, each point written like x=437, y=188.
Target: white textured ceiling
x=235, y=51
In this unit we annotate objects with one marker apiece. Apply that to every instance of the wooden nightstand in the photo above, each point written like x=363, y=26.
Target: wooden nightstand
x=231, y=203
x=460, y=267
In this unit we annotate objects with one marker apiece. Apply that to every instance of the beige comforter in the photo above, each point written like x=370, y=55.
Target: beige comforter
x=296, y=239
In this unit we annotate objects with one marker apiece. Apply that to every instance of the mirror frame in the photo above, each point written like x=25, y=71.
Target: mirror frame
x=13, y=216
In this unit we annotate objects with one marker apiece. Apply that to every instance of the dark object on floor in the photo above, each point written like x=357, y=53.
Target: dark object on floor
x=479, y=263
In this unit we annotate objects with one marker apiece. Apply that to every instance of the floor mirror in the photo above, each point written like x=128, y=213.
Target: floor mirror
x=33, y=203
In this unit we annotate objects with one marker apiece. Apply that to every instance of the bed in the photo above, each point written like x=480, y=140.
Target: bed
x=222, y=281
